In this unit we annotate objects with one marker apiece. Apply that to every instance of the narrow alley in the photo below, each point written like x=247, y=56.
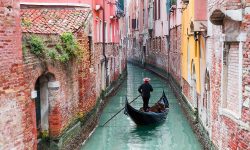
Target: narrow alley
x=67, y=67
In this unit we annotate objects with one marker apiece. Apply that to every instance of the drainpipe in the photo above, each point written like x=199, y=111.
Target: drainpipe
x=103, y=42
x=168, y=39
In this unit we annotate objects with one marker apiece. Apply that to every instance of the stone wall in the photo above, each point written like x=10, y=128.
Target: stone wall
x=17, y=123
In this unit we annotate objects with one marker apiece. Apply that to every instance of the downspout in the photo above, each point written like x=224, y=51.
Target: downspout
x=103, y=42
x=168, y=37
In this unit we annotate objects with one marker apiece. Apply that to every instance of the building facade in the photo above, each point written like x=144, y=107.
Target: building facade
x=175, y=27
x=56, y=48
x=228, y=67
x=208, y=57
x=148, y=32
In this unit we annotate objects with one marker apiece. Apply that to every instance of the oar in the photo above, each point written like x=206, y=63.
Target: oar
x=119, y=111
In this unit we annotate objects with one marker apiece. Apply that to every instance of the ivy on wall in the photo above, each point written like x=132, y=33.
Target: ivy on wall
x=66, y=48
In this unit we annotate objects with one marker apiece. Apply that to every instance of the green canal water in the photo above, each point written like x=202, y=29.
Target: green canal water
x=121, y=133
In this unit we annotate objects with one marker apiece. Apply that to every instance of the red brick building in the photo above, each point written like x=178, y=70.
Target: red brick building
x=48, y=67
x=17, y=124
x=60, y=86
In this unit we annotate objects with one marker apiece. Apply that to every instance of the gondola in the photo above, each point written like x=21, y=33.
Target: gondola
x=146, y=118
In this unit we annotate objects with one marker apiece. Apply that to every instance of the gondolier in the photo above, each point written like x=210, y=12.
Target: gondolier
x=145, y=90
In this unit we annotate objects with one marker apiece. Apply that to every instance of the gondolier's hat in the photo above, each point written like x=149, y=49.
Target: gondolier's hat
x=146, y=79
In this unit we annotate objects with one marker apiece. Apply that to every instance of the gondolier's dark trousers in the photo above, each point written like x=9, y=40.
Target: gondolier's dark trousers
x=145, y=103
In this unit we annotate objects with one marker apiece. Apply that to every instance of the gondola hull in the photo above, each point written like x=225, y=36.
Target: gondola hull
x=146, y=118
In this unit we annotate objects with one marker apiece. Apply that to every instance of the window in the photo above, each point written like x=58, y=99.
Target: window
x=100, y=31
x=97, y=31
x=133, y=23
x=157, y=9
x=114, y=30
x=143, y=17
x=111, y=33
x=129, y=22
x=231, y=77
x=106, y=32
x=137, y=23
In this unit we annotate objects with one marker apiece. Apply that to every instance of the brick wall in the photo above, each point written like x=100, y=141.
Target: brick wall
x=227, y=131
x=16, y=109
x=175, y=53
x=246, y=71
x=158, y=53
x=113, y=64
x=87, y=88
x=76, y=94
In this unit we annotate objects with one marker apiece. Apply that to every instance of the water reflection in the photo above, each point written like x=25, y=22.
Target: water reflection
x=145, y=133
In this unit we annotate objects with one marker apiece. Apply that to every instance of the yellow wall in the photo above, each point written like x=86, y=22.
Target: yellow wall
x=188, y=42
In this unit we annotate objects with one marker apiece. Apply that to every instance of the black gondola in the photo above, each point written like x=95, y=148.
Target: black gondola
x=145, y=118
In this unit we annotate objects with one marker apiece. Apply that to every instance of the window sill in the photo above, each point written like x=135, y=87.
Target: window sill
x=235, y=117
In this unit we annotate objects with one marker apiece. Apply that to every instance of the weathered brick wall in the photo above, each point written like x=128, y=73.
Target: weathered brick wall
x=87, y=88
x=175, y=53
x=186, y=90
x=75, y=95
x=158, y=53
x=17, y=113
x=246, y=70
x=227, y=131
x=97, y=58
x=112, y=55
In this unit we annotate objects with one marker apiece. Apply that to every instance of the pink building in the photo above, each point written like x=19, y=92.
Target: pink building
x=175, y=40
x=148, y=26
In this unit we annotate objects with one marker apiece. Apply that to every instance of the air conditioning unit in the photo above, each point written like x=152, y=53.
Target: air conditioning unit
x=185, y=2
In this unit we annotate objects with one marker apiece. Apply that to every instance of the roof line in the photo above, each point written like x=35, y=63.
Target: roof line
x=55, y=4
x=88, y=15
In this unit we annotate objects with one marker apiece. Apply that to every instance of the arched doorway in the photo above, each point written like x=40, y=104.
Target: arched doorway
x=42, y=103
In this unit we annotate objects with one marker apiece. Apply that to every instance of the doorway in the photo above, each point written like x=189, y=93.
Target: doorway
x=42, y=104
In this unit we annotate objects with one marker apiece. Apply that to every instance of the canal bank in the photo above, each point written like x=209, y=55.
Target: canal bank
x=189, y=112
x=82, y=128
x=122, y=133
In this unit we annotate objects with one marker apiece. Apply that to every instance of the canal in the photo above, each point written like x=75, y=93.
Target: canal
x=121, y=133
